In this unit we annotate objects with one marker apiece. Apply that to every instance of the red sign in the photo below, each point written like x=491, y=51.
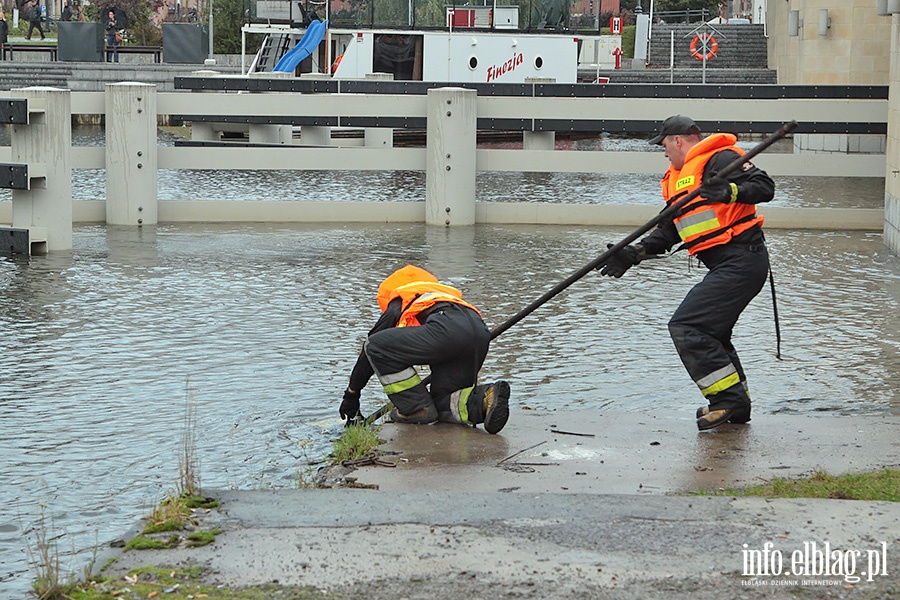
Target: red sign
x=461, y=17
x=615, y=25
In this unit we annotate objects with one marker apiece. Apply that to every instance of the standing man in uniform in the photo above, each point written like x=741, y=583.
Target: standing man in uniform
x=721, y=228
x=424, y=322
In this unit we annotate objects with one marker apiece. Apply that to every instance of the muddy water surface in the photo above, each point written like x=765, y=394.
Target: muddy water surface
x=258, y=326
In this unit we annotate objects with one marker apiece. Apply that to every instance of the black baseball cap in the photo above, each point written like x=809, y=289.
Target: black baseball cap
x=676, y=125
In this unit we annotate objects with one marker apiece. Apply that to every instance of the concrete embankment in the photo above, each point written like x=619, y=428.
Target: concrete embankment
x=571, y=505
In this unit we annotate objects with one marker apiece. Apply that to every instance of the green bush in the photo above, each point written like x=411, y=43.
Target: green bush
x=628, y=35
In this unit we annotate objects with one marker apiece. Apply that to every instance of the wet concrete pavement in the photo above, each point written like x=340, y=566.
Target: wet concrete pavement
x=630, y=453
x=538, y=513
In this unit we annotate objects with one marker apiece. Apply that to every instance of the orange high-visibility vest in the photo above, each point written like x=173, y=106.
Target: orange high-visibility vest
x=402, y=276
x=422, y=295
x=702, y=224
x=419, y=291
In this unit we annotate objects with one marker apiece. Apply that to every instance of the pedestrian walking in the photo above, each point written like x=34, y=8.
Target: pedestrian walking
x=35, y=14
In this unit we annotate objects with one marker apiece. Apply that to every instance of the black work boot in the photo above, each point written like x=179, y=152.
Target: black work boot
x=739, y=417
x=423, y=416
x=489, y=404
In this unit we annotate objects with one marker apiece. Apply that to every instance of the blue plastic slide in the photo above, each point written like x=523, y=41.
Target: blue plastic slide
x=310, y=41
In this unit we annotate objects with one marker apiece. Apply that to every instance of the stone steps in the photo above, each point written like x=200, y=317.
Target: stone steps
x=36, y=74
x=739, y=47
x=94, y=76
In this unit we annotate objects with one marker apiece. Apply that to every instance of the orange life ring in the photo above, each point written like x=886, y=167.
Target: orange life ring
x=712, y=43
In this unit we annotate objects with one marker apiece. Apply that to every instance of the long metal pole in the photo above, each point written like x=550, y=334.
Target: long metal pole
x=672, y=56
x=604, y=257
x=210, y=29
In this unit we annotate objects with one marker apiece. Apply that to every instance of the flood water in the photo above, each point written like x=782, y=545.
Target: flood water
x=256, y=328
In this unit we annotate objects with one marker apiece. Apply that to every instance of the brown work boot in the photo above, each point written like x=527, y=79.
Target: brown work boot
x=714, y=418
x=495, y=406
x=423, y=416
x=739, y=417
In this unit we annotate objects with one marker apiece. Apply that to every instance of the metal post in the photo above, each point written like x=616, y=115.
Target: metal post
x=210, y=30
x=704, y=37
x=131, y=156
x=450, y=157
x=45, y=144
x=672, y=56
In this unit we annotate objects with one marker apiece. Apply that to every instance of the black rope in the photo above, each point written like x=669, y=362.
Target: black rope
x=775, y=313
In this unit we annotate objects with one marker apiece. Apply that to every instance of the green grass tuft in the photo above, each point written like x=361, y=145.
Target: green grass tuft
x=202, y=538
x=199, y=502
x=883, y=485
x=357, y=441
x=144, y=543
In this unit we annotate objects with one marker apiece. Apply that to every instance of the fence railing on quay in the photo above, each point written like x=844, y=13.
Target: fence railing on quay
x=273, y=112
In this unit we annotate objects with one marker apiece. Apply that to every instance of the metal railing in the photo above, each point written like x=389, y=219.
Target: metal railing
x=533, y=15
x=451, y=116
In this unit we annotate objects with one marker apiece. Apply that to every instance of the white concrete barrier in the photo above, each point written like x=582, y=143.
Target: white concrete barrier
x=131, y=154
x=45, y=144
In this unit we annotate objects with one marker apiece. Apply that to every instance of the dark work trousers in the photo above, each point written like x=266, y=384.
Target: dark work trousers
x=701, y=326
x=32, y=25
x=453, y=341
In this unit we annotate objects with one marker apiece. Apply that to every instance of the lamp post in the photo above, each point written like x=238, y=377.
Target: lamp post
x=210, y=58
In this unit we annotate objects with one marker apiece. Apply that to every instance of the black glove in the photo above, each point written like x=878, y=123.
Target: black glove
x=719, y=190
x=622, y=260
x=350, y=405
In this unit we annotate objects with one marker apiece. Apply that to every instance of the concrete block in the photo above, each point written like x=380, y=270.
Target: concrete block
x=833, y=143
x=872, y=144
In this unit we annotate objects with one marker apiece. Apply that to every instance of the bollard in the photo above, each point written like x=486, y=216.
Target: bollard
x=266, y=133
x=450, y=157
x=131, y=156
x=45, y=144
x=204, y=131
x=315, y=135
x=379, y=137
x=539, y=140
